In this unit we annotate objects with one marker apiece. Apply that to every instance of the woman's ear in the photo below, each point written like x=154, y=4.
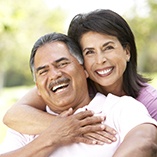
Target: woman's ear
x=86, y=73
x=128, y=55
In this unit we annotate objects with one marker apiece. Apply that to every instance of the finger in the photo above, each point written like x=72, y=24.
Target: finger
x=85, y=140
x=99, y=139
x=92, y=120
x=98, y=133
x=102, y=136
x=105, y=135
x=110, y=130
x=67, y=113
x=84, y=114
x=91, y=128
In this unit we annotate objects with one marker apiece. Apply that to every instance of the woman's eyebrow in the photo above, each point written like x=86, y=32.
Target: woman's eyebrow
x=105, y=44
x=87, y=48
x=109, y=42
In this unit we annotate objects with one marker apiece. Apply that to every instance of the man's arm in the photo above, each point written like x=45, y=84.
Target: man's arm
x=139, y=142
x=57, y=135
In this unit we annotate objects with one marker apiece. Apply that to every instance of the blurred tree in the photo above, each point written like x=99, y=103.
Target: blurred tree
x=21, y=24
x=145, y=30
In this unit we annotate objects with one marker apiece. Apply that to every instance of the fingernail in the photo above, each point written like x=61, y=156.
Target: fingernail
x=101, y=143
x=94, y=142
x=102, y=117
x=102, y=127
x=114, y=139
x=109, y=141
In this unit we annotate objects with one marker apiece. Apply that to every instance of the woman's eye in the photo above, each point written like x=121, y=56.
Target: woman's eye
x=89, y=52
x=109, y=47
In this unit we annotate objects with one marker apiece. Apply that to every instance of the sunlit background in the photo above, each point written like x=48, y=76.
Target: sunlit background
x=23, y=22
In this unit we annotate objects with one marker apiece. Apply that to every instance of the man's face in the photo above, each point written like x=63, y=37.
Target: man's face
x=60, y=79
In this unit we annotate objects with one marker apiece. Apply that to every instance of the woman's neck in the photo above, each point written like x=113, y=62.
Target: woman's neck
x=116, y=90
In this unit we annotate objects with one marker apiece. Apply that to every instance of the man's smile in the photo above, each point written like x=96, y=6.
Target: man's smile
x=59, y=85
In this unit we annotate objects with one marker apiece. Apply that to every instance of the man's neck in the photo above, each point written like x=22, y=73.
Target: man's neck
x=83, y=102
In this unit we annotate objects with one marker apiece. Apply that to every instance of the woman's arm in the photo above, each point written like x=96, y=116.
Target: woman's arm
x=140, y=142
x=55, y=136
x=28, y=114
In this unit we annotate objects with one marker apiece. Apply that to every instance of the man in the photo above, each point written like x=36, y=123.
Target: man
x=61, y=82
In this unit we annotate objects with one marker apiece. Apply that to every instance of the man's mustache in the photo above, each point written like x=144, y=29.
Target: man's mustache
x=58, y=81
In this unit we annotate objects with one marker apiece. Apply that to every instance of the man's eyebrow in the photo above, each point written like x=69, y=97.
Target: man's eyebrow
x=61, y=59
x=57, y=61
x=40, y=68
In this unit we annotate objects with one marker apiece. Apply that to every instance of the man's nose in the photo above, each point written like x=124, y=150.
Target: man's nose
x=54, y=73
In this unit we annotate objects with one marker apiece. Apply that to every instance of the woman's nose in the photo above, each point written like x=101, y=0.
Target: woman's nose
x=100, y=58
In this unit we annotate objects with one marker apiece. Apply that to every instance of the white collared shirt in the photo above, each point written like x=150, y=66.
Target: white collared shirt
x=122, y=114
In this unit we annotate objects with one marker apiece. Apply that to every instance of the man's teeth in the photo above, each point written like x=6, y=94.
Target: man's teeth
x=104, y=71
x=55, y=88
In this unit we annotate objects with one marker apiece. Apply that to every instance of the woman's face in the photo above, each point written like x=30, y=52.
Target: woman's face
x=104, y=58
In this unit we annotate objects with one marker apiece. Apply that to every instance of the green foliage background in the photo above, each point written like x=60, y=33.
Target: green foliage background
x=21, y=24
x=145, y=31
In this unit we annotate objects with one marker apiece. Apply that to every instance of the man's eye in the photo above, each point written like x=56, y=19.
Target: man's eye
x=62, y=64
x=43, y=72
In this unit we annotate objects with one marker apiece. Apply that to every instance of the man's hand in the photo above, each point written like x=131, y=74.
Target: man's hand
x=81, y=127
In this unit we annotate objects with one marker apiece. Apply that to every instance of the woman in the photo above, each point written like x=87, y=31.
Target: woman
x=110, y=58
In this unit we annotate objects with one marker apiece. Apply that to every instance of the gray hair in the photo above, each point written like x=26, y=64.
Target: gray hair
x=51, y=37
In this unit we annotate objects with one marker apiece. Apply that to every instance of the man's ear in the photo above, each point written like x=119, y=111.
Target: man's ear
x=38, y=89
x=86, y=73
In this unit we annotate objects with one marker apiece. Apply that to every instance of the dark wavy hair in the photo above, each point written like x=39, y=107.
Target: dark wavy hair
x=108, y=22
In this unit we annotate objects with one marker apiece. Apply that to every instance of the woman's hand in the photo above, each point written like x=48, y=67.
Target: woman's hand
x=87, y=128
x=108, y=135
